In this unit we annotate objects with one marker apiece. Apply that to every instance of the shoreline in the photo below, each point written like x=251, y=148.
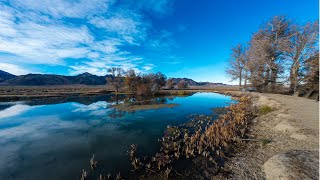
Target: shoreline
x=16, y=93
x=292, y=153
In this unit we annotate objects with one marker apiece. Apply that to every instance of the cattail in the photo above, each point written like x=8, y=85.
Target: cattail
x=109, y=176
x=167, y=172
x=83, y=175
x=93, y=163
x=118, y=176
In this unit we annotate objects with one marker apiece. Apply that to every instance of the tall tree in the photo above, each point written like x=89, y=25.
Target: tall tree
x=131, y=80
x=257, y=56
x=170, y=83
x=303, y=45
x=117, y=77
x=311, y=72
x=182, y=84
x=275, y=39
x=237, y=63
x=151, y=84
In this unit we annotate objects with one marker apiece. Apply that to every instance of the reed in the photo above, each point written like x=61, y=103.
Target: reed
x=202, y=136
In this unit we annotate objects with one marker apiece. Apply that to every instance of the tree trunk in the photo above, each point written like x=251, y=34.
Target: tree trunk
x=240, y=79
x=273, y=79
x=296, y=77
x=291, y=81
x=294, y=74
x=266, y=79
x=245, y=78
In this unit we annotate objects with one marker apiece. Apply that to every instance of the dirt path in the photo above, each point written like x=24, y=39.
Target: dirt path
x=305, y=111
x=293, y=128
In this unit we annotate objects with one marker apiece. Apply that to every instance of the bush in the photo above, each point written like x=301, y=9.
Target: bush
x=265, y=109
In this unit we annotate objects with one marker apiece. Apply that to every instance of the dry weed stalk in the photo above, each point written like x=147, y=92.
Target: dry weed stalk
x=200, y=137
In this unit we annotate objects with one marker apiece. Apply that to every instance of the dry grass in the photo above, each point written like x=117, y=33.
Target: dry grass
x=132, y=108
x=203, y=140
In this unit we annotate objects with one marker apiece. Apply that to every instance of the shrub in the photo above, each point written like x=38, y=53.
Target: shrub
x=182, y=84
x=265, y=110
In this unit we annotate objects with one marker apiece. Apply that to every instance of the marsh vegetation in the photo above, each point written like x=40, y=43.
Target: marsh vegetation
x=200, y=145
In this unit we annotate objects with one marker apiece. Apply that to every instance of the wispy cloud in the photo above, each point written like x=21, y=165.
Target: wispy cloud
x=14, y=69
x=63, y=8
x=78, y=34
x=14, y=110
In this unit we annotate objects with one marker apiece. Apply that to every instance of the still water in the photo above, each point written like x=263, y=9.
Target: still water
x=55, y=138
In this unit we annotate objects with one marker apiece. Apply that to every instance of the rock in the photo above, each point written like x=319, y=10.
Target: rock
x=294, y=164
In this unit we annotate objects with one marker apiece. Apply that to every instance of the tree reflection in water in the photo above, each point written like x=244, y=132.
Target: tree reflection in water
x=131, y=100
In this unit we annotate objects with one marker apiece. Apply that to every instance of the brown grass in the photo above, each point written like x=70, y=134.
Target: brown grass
x=202, y=139
x=132, y=108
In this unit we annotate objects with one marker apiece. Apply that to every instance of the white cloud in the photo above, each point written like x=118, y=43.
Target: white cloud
x=96, y=109
x=127, y=26
x=148, y=67
x=41, y=43
x=14, y=110
x=100, y=66
x=65, y=8
x=59, y=32
x=13, y=69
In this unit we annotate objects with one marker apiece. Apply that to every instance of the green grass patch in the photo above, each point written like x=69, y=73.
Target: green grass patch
x=265, y=141
x=265, y=110
x=181, y=93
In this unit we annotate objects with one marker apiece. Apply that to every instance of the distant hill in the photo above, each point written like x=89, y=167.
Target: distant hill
x=50, y=79
x=5, y=76
x=85, y=79
x=37, y=79
x=88, y=79
x=191, y=82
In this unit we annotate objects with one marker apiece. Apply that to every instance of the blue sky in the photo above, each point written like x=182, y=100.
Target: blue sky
x=181, y=38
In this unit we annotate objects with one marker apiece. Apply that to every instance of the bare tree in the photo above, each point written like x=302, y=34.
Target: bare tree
x=182, y=84
x=303, y=45
x=246, y=60
x=311, y=72
x=265, y=62
x=117, y=78
x=275, y=39
x=266, y=52
x=170, y=83
x=237, y=63
x=257, y=66
x=158, y=81
x=131, y=80
x=151, y=84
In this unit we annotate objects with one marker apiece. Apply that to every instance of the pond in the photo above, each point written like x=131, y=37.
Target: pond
x=55, y=138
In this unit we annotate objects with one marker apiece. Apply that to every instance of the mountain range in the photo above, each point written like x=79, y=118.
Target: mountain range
x=84, y=79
